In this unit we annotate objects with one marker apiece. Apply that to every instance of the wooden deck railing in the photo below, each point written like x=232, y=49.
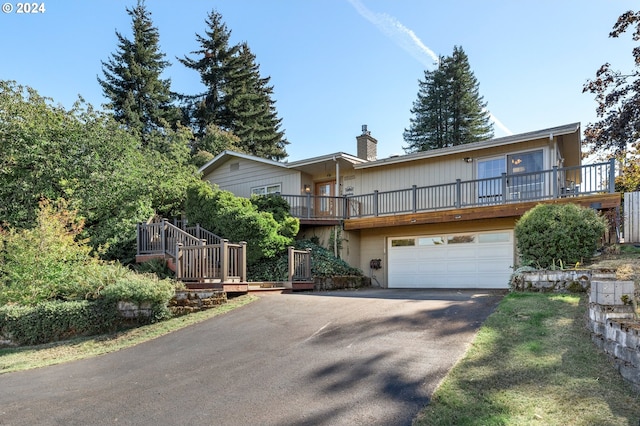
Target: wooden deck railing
x=508, y=188
x=299, y=265
x=199, y=254
x=224, y=262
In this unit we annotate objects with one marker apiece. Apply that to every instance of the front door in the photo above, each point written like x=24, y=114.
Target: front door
x=325, y=201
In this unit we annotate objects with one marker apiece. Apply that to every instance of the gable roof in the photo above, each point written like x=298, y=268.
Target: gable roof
x=303, y=165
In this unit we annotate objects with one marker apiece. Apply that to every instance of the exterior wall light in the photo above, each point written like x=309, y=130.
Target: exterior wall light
x=307, y=189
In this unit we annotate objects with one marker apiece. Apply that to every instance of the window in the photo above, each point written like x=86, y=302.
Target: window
x=403, y=242
x=461, y=239
x=490, y=169
x=267, y=189
x=494, y=237
x=526, y=178
x=431, y=241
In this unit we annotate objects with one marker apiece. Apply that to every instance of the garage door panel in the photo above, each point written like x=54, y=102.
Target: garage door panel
x=486, y=262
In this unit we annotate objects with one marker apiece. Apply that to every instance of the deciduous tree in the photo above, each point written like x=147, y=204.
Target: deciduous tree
x=618, y=98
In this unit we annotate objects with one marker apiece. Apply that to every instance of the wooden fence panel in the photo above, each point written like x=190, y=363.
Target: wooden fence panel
x=631, y=217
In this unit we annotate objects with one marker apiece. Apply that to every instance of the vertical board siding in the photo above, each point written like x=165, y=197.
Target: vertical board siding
x=250, y=174
x=632, y=217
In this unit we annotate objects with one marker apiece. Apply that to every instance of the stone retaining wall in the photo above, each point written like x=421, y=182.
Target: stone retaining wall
x=341, y=282
x=613, y=326
x=188, y=301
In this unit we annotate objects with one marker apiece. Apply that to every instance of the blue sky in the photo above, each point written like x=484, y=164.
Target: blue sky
x=338, y=64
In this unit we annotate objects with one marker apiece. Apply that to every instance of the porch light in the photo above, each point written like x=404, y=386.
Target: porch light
x=467, y=159
x=307, y=189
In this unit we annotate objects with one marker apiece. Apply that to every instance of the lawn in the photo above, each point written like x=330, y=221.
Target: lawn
x=533, y=363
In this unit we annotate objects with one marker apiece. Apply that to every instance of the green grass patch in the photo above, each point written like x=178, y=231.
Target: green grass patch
x=533, y=363
x=27, y=357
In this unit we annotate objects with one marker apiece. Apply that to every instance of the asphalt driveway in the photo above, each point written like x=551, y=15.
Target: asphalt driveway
x=369, y=357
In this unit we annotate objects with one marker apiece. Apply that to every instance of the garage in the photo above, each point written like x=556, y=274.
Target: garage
x=467, y=260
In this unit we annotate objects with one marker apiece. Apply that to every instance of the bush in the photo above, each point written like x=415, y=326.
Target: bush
x=323, y=264
x=141, y=289
x=237, y=219
x=55, y=320
x=552, y=234
x=44, y=262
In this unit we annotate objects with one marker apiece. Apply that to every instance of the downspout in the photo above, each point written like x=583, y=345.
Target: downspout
x=335, y=206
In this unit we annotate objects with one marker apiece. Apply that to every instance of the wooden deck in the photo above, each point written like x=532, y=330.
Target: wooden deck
x=598, y=201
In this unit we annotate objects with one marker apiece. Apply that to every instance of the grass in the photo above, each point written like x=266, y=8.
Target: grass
x=533, y=363
x=27, y=357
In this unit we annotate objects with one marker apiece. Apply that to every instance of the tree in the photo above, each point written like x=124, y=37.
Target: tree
x=253, y=110
x=618, y=98
x=236, y=98
x=87, y=158
x=449, y=110
x=139, y=97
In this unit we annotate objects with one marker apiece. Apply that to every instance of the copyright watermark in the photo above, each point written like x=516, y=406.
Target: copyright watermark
x=33, y=8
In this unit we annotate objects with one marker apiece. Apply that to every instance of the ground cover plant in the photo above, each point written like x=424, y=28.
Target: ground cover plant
x=53, y=288
x=533, y=362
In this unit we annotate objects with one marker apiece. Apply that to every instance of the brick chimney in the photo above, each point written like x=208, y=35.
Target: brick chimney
x=367, y=145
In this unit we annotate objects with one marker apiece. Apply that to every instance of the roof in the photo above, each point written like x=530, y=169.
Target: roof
x=295, y=165
x=572, y=152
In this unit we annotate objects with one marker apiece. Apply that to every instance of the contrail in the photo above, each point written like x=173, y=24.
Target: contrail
x=409, y=41
x=499, y=124
x=402, y=35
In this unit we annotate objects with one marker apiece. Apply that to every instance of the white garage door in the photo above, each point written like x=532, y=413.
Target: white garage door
x=469, y=260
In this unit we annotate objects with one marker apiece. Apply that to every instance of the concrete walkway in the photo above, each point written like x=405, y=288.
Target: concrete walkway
x=369, y=357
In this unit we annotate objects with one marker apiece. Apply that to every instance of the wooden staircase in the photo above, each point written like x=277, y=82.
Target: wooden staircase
x=203, y=260
x=198, y=257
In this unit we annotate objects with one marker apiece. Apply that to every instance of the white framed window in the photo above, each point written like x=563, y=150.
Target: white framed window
x=266, y=189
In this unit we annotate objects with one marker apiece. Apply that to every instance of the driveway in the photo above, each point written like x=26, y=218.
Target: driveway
x=368, y=357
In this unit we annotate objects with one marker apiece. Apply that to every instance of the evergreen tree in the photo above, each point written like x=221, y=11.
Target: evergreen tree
x=236, y=98
x=250, y=103
x=139, y=97
x=213, y=63
x=449, y=110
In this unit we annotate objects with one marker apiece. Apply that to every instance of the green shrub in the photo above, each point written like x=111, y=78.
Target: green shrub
x=558, y=234
x=237, y=219
x=44, y=262
x=323, y=264
x=55, y=320
x=140, y=289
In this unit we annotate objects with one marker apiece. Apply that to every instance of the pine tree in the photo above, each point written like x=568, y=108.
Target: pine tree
x=449, y=110
x=237, y=99
x=139, y=97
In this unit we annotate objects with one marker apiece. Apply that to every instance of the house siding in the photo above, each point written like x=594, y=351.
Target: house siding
x=434, y=171
x=239, y=176
x=373, y=242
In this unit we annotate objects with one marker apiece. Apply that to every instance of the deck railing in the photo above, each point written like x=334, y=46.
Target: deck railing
x=299, y=265
x=199, y=254
x=508, y=188
x=225, y=262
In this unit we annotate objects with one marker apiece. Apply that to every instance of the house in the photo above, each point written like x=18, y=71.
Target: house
x=436, y=219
